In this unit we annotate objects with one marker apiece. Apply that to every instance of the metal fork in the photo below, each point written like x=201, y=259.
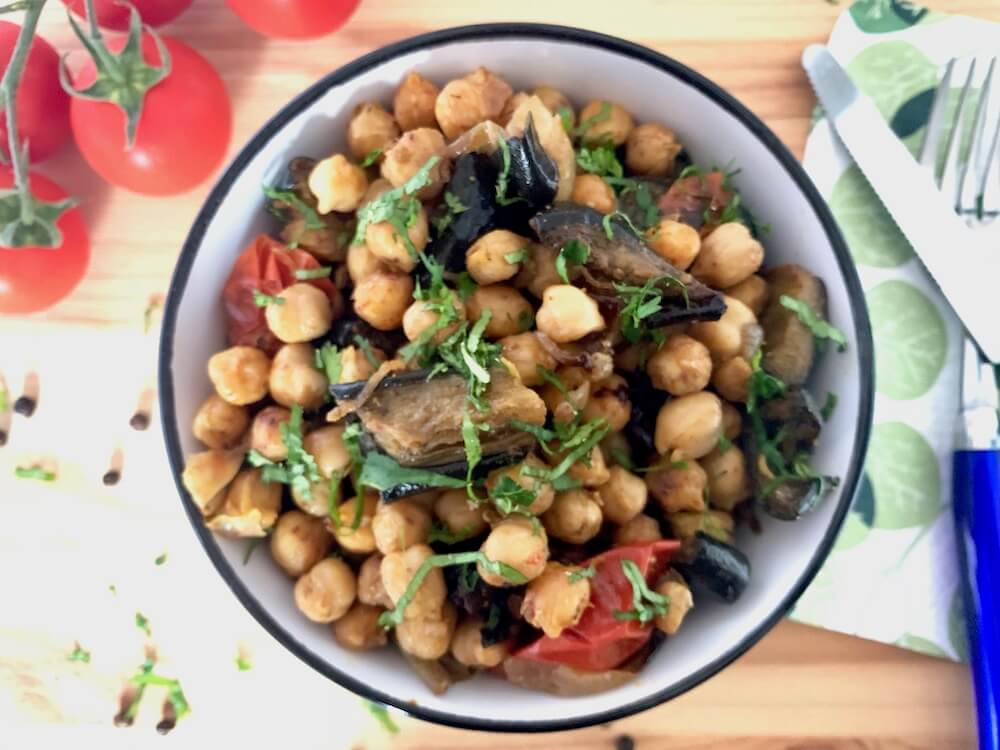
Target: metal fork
x=972, y=184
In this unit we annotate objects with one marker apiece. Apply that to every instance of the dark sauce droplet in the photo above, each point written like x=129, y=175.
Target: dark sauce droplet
x=624, y=742
x=139, y=421
x=25, y=406
x=111, y=477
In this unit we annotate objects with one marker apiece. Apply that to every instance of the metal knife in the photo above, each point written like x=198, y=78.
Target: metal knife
x=959, y=261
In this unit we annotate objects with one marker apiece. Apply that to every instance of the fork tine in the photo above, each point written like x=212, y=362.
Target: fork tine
x=975, y=169
x=935, y=128
x=989, y=189
x=950, y=179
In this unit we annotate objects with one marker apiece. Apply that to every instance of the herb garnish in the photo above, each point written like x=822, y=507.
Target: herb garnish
x=441, y=533
x=828, y=406
x=647, y=604
x=381, y=472
x=642, y=302
x=603, y=114
x=251, y=546
x=566, y=116
x=306, y=274
x=821, y=329
x=619, y=457
x=299, y=468
x=263, y=300
x=447, y=211
x=600, y=160
x=397, y=206
x=609, y=230
x=366, y=348
x=581, y=574
x=724, y=444
x=453, y=203
x=34, y=472
x=381, y=713
x=289, y=197
x=370, y=158
x=504, y=175
x=146, y=677
x=518, y=256
x=243, y=663
x=142, y=623
x=466, y=286
x=327, y=359
x=575, y=252
x=79, y=654
x=160, y=559
x=511, y=497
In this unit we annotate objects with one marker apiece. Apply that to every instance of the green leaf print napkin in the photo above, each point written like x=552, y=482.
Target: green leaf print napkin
x=893, y=574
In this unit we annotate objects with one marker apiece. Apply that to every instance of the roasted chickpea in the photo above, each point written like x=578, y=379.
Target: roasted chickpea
x=371, y=129
x=298, y=542
x=681, y=603
x=678, y=486
x=591, y=472
x=683, y=365
x=220, y=424
x=614, y=127
x=399, y=525
x=732, y=421
x=623, y=496
x=294, y=378
x=326, y=446
x=359, y=630
x=304, y=313
x=730, y=379
x=591, y=190
x=486, y=258
x=410, y=153
x=674, y=241
x=568, y=314
x=468, y=649
x=265, y=433
x=689, y=426
x=376, y=188
x=728, y=256
x=316, y=502
x=575, y=516
x=538, y=272
x=468, y=101
x=716, y=523
x=381, y=299
x=752, y=292
x=512, y=104
x=358, y=538
x=419, y=317
x=555, y=600
x=362, y=263
x=518, y=543
x=428, y=638
x=510, y=312
x=384, y=242
x=651, y=149
x=370, y=588
x=240, y=374
x=556, y=102
x=544, y=493
x=206, y=475
x=526, y=353
x=458, y=515
x=573, y=396
x=337, y=184
x=732, y=334
x=642, y=529
x=251, y=506
x=398, y=569
x=728, y=479
x=413, y=104
x=327, y=591
x=355, y=365
x=609, y=401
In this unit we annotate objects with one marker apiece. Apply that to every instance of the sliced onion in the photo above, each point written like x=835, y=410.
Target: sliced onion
x=349, y=407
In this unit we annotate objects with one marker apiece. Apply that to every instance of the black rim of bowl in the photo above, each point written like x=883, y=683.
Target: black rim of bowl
x=862, y=337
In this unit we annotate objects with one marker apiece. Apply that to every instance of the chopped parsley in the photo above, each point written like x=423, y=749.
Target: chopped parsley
x=724, y=444
x=381, y=714
x=381, y=472
x=828, y=406
x=160, y=559
x=370, y=158
x=525, y=319
x=691, y=170
x=518, y=256
x=504, y=175
x=441, y=533
x=146, y=677
x=306, y=274
x=566, y=116
x=466, y=286
x=576, y=440
x=243, y=663
x=263, y=300
x=821, y=329
x=600, y=160
x=455, y=206
x=328, y=360
x=581, y=573
x=609, y=230
x=603, y=114
x=366, y=348
x=647, y=604
x=575, y=252
x=142, y=622
x=333, y=500
x=641, y=302
x=79, y=654
x=473, y=448
x=651, y=213
x=447, y=211
x=619, y=457
x=397, y=206
x=299, y=468
x=34, y=472
x=291, y=199
x=251, y=546
x=511, y=497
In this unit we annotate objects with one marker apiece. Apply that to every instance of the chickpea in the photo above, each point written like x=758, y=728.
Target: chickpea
x=294, y=378
x=732, y=421
x=590, y=476
x=371, y=128
x=326, y=446
x=362, y=263
x=752, y=292
x=591, y=190
x=556, y=102
x=399, y=525
x=716, y=523
x=728, y=256
x=609, y=401
x=370, y=588
x=615, y=127
x=428, y=638
x=544, y=494
x=683, y=365
x=468, y=649
x=355, y=366
x=413, y=104
x=360, y=540
x=359, y=630
x=240, y=374
x=623, y=496
x=642, y=529
x=512, y=104
x=518, y=543
x=298, y=542
x=678, y=486
x=304, y=313
x=538, y=272
x=568, y=314
x=251, y=506
x=728, y=479
x=384, y=242
x=510, y=312
x=526, y=353
x=419, y=317
x=651, y=149
x=337, y=184
x=206, y=475
x=410, y=153
x=486, y=258
x=458, y=515
x=265, y=433
x=468, y=101
x=689, y=426
x=730, y=379
x=381, y=299
x=327, y=591
x=564, y=402
x=317, y=501
x=575, y=516
x=728, y=336
x=554, y=602
x=398, y=569
x=220, y=424
x=681, y=603
x=674, y=241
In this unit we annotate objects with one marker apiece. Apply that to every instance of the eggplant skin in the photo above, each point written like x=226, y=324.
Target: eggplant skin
x=473, y=183
x=793, y=498
x=717, y=566
x=789, y=347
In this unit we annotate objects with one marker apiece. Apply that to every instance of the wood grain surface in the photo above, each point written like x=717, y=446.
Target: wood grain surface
x=77, y=558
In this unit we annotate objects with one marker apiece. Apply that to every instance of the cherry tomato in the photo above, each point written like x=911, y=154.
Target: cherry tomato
x=34, y=278
x=697, y=200
x=266, y=266
x=294, y=19
x=600, y=641
x=114, y=14
x=42, y=105
x=183, y=131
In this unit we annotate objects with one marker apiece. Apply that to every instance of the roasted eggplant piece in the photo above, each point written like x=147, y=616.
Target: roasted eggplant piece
x=472, y=595
x=715, y=565
x=624, y=258
x=646, y=402
x=532, y=178
x=473, y=183
x=789, y=346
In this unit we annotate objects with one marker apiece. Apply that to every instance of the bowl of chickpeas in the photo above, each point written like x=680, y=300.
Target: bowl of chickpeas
x=530, y=391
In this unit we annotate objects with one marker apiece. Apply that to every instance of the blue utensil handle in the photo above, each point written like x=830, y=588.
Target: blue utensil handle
x=977, y=526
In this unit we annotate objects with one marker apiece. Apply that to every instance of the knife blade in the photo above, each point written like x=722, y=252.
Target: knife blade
x=961, y=263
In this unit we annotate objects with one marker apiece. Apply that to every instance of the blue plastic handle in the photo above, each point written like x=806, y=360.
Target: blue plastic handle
x=977, y=527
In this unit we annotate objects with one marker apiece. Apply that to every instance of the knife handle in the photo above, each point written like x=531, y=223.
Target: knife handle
x=976, y=482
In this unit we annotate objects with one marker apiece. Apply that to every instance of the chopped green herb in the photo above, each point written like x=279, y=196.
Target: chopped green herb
x=609, y=229
x=691, y=170
x=642, y=302
x=724, y=444
x=251, y=546
x=518, y=256
x=619, y=457
x=175, y=694
x=333, y=499
x=381, y=713
x=441, y=533
x=581, y=573
x=160, y=559
x=511, y=497
x=142, y=623
x=455, y=206
x=243, y=663
x=525, y=319
x=397, y=206
x=366, y=348
x=575, y=252
x=381, y=472
x=731, y=211
x=551, y=378
x=113, y=589
x=600, y=160
x=504, y=175
x=289, y=197
x=34, y=472
x=306, y=274
x=828, y=406
x=647, y=604
x=576, y=444
x=762, y=386
x=263, y=300
x=299, y=468
x=821, y=329
x=370, y=158
x=603, y=114
x=328, y=361
x=79, y=654
x=466, y=286
x=473, y=447
x=566, y=116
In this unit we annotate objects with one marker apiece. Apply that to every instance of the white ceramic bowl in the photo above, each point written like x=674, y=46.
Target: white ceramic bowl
x=716, y=129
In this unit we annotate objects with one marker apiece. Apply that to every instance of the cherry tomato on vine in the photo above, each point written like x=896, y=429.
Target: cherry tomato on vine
x=42, y=105
x=34, y=278
x=294, y=19
x=182, y=132
x=113, y=14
